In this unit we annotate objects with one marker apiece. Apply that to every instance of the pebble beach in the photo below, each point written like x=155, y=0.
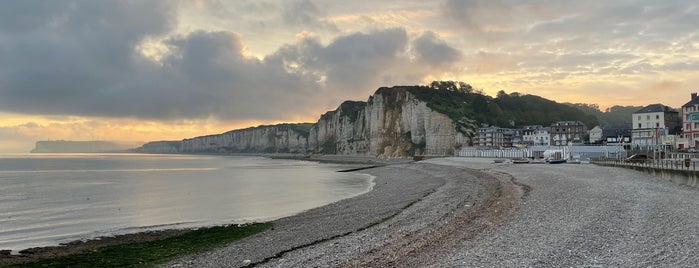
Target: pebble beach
x=470, y=212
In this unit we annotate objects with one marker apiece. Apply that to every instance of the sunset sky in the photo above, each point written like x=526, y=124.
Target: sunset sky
x=147, y=70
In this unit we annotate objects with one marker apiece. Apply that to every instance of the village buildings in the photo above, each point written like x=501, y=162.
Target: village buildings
x=494, y=137
x=565, y=133
x=655, y=126
x=596, y=135
x=689, y=138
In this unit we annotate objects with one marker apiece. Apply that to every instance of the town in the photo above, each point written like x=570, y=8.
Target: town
x=652, y=131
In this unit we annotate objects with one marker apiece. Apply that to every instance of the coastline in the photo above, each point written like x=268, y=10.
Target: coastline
x=414, y=210
x=8, y=257
x=81, y=244
x=471, y=212
x=398, y=185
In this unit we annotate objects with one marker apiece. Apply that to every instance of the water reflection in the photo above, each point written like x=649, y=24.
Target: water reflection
x=90, y=195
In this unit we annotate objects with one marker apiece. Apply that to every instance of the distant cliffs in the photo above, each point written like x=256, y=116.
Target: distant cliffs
x=282, y=138
x=392, y=123
x=62, y=146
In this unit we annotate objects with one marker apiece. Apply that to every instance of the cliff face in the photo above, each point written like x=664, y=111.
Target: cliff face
x=391, y=123
x=160, y=147
x=267, y=139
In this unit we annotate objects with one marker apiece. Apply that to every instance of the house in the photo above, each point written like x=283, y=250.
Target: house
x=653, y=126
x=689, y=138
x=616, y=135
x=596, y=134
x=495, y=137
x=536, y=135
x=565, y=133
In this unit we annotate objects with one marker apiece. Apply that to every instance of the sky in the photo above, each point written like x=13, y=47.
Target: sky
x=145, y=70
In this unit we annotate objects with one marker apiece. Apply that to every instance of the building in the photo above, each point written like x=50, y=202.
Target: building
x=616, y=135
x=689, y=138
x=536, y=135
x=596, y=134
x=495, y=137
x=653, y=126
x=566, y=133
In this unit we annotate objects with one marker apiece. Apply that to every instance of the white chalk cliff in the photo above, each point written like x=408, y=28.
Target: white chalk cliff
x=392, y=123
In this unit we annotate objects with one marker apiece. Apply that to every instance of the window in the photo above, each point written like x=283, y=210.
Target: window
x=657, y=124
x=639, y=125
x=688, y=127
x=648, y=117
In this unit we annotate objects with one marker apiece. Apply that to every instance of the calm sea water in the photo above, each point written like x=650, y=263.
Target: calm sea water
x=51, y=199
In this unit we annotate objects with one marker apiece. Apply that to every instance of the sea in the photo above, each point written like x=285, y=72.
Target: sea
x=49, y=199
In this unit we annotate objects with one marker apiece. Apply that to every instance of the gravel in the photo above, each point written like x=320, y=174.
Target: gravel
x=396, y=188
x=588, y=216
x=468, y=212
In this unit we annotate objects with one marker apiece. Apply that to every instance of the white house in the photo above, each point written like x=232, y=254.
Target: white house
x=596, y=134
x=654, y=125
x=536, y=135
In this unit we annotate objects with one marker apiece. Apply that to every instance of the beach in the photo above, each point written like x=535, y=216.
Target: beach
x=469, y=212
x=412, y=208
x=472, y=212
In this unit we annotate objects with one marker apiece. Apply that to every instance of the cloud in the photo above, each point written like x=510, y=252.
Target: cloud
x=67, y=54
x=88, y=58
x=306, y=14
x=352, y=62
x=431, y=50
x=84, y=59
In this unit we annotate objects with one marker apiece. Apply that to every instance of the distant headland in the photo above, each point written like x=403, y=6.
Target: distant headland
x=63, y=146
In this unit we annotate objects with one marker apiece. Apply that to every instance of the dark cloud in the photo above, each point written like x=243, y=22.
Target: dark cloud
x=64, y=57
x=351, y=62
x=431, y=50
x=85, y=60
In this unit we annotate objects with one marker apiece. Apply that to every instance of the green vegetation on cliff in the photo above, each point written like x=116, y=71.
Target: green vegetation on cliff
x=302, y=128
x=352, y=109
x=469, y=108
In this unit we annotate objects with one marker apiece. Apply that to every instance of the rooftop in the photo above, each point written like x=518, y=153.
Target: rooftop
x=655, y=108
x=568, y=123
x=693, y=102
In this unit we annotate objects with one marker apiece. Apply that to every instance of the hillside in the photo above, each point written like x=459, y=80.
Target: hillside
x=461, y=102
x=615, y=116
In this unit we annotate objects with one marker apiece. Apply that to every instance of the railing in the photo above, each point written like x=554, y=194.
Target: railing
x=667, y=164
x=495, y=153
